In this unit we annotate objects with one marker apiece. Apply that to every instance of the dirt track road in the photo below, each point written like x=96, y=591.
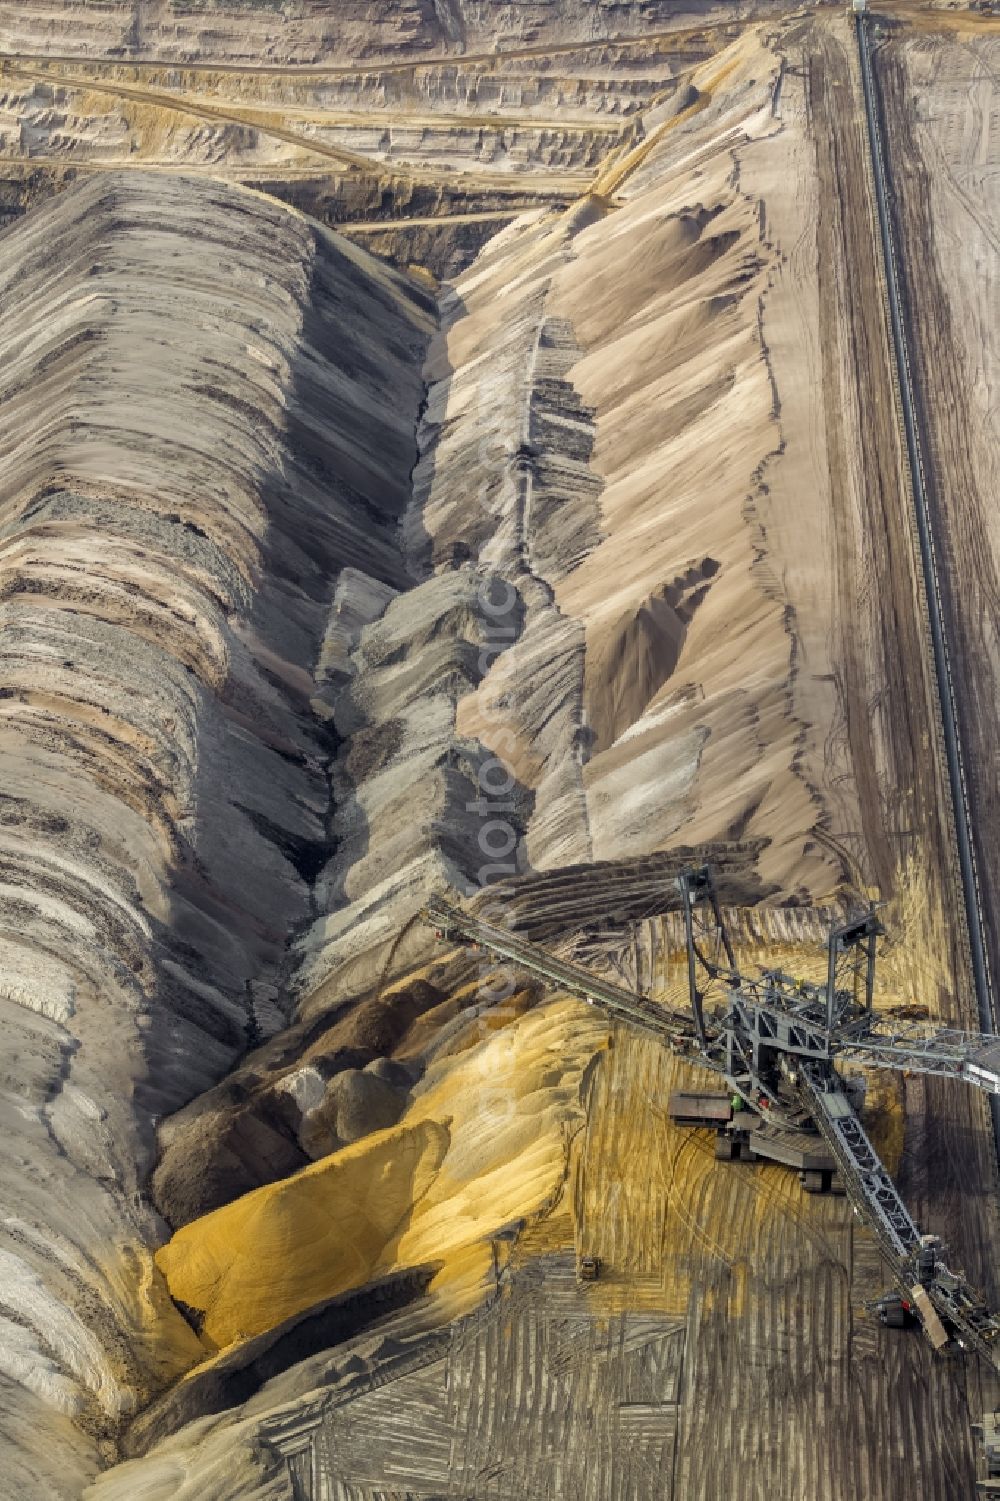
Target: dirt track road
x=945, y=154
x=948, y=1172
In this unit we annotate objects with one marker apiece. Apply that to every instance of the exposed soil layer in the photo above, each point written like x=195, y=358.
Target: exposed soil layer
x=453, y=135
x=176, y=511
x=324, y=592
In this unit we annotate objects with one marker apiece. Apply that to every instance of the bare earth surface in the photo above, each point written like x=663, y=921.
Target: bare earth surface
x=949, y=204
x=582, y=457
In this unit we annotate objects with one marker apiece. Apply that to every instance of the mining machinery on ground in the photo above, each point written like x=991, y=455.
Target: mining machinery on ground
x=778, y=1044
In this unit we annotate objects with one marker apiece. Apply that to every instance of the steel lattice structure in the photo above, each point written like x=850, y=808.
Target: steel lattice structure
x=776, y=1042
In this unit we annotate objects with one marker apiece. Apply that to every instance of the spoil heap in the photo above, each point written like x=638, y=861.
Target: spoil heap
x=208, y=411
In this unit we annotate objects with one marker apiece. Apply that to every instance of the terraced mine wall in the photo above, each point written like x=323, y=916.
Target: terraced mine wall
x=468, y=141
x=262, y=30
x=953, y=350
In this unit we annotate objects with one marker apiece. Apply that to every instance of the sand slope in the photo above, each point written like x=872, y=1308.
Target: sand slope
x=483, y=1145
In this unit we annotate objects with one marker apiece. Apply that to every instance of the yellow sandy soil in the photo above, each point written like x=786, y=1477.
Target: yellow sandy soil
x=485, y=1143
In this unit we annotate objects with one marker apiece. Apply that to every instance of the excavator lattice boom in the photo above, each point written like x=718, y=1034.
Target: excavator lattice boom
x=777, y=1043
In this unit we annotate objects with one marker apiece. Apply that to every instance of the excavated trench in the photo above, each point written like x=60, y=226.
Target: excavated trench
x=246, y=686
x=525, y=560
x=406, y=786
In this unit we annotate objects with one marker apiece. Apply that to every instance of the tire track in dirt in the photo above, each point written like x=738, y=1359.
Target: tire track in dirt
x=903, y=740
x=968, y=584
x=884, y=688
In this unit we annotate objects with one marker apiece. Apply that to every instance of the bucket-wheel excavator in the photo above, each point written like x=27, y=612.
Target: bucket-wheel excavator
x=777, y=1043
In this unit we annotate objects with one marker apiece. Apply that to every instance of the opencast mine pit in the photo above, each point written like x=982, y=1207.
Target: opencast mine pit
x=470, y=473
